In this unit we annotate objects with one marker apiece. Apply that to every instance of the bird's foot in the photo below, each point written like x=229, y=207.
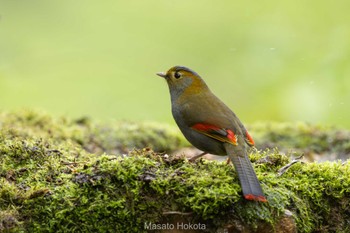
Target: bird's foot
x=197, y=156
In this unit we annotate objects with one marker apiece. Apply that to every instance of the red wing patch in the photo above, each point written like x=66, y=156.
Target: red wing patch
x=232, y=136
x=221, y=134
x=204, y=127
x=249, y=139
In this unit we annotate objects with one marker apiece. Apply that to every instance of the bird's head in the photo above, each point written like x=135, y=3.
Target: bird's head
x=181, y=80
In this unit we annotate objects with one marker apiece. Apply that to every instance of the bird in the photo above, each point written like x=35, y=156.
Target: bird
x=212, y=127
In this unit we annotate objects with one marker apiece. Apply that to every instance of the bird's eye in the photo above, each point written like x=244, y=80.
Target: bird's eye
x=177, y=75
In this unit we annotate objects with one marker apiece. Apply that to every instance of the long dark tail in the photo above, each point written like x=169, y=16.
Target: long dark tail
x=249, y=182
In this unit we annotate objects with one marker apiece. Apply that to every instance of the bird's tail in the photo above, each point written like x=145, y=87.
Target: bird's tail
x=249, y=182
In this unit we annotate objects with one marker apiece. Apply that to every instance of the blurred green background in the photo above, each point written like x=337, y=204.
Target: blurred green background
x=268, y=60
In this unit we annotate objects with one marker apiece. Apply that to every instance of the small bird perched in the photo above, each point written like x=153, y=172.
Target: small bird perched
x=208, y=124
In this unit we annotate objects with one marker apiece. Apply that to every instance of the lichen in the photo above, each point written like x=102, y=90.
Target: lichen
x=59, y=175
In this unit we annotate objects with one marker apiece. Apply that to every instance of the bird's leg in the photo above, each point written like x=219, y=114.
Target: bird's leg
x=197, y=156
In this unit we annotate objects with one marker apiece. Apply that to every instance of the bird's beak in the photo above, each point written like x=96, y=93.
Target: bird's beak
x=161, y=74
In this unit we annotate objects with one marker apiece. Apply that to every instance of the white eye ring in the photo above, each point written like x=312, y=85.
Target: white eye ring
x=177, y=75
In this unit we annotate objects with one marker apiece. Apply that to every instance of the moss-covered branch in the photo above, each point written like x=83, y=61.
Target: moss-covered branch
x=54, y=177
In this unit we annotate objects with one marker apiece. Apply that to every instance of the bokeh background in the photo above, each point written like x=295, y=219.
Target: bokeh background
x=268, y=60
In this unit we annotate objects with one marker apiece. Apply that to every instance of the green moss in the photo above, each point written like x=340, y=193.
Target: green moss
x=303, y=138
x=114, y=137
x=51, y=182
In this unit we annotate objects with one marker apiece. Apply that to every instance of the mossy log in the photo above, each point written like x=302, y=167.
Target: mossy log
x=62, y=175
